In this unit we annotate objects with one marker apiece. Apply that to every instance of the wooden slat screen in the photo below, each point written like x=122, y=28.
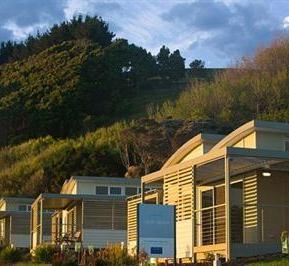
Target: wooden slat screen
x=104, y=214
x=20, y=223
x=132, y=218
x=250, y=201
x=178, y=191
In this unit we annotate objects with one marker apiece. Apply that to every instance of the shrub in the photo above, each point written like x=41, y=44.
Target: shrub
x=115, y=255
x=67, y=258
x=10, y=255
x=44, y=254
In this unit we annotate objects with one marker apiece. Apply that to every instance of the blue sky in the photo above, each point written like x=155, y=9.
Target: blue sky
x=217, y=31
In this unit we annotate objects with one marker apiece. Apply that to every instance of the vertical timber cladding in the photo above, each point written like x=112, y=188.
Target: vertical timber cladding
x=54, y=228
x=132, y=205
x=178, y=191
x=250, y=209
x=132, y=223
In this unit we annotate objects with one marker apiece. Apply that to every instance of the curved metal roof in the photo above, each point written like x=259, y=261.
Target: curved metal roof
x=190, y=145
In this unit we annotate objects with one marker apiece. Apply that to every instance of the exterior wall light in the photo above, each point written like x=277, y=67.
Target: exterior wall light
x=266, y=174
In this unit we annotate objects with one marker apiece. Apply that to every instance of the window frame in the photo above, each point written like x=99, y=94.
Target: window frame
x=286, y=142
x=106, y=187
x=136, y=191
x=114, y=194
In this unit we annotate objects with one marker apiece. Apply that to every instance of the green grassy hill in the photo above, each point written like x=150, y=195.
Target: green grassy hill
x=43, y=164
x=63, y=95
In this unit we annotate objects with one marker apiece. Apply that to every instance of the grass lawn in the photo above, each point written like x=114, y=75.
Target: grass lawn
x=276, y=262
x=30, y=264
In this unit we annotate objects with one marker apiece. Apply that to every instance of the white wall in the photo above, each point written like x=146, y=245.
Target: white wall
x=101, y=238
x=271, y=141
x=20, y=240
x=184, y=238
x=132, y=247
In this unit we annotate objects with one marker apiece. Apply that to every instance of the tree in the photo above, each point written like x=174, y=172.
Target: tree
x=197, y=64
x=256, y=87
x=93, y=29
x=148, y=144
x=163, y=62
x=177, y=65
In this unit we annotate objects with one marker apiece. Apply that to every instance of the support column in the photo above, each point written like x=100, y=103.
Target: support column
x=31, y=226
x=41, y=222
x=142, y=192
x=194, y=175
x=227, y=208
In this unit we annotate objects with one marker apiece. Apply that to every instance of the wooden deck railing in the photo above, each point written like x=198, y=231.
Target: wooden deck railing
x=210, y=226
x=65, y=233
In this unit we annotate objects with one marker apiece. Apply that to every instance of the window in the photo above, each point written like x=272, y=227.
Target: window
x=129, y=191
x=219, y=195
x=22, y=208
x=207, y=198
x=115, y=191
x=101, y=190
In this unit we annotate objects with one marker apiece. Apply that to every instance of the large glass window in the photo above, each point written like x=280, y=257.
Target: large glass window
x=207, y=198
x=237, y=212
x=101, y=190
x=115, y=190
x=219, y=195
x=129, y=191
x=212, y=215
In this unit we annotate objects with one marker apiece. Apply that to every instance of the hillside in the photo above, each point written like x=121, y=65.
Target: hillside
x=70, y=97
x=43, y=164
x=39, y=96
x=257, y=87
x=69, y=89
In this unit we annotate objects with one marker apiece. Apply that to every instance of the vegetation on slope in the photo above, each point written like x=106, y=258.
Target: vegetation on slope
x=68, y=88
x=80, y=86
x=135, y=148
x=89, y=28
x=42, y=165
x=257, y=87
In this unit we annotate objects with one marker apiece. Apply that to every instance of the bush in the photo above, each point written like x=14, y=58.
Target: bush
x=115, y=255
x=44, y=254
x=67, y=258
x=10, y=255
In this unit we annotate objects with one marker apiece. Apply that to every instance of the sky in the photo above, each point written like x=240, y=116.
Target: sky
x=216, y=31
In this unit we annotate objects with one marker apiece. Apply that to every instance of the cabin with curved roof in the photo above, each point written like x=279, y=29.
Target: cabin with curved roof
x=89, y=209
x=195, y=147
x=226, y=190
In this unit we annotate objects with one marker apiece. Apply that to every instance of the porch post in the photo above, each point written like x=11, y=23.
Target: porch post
x=142, y=191
x=31, y=226
x=82, y=222
x=227, y=208
x=194, y=173
x=41, y=221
